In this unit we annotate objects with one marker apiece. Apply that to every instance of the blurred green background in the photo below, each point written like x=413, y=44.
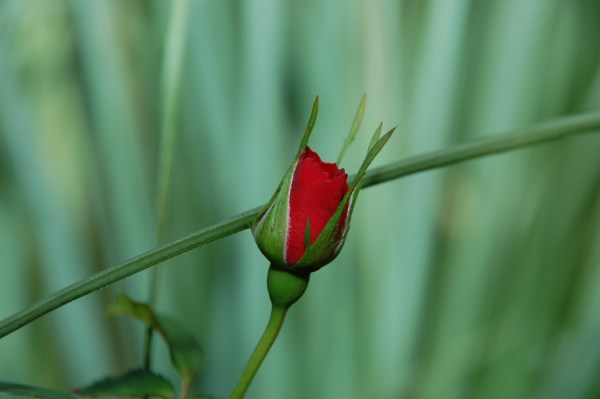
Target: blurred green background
x=481, y=280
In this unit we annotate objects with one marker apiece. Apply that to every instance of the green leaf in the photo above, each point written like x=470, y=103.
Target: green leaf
x=267, y=229
x=27, y=391
x=125, y=306
x=185, y=352
x=358, y=117
x=134, y=383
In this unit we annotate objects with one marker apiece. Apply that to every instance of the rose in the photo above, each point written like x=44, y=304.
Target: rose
x=304, y=225
x=316, y=190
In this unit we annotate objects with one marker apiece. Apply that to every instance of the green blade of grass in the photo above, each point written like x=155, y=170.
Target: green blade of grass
x=171, y=90
x=549, y=131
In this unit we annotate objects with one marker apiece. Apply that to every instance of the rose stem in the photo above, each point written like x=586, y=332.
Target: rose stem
x=260, y=352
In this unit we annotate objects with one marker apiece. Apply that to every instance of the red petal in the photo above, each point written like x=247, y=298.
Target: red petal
x=316, y=192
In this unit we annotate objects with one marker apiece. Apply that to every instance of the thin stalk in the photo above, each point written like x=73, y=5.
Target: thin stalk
x=550, y=131
x=260, y=352
x=171, y=88
x=185, y=388
x=358, y=117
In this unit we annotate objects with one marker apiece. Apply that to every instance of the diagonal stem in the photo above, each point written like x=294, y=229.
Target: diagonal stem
x=549, y=131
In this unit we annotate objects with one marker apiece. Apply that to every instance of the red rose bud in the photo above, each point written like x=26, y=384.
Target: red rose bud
x=317, y=191
x=304, y=225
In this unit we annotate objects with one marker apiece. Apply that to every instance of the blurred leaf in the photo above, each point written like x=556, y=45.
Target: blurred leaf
x=186, y=354
x=27, y=391
x=125, y=306
x=133, y=383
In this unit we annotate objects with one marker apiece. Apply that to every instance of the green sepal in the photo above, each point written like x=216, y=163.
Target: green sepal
x=375, y=137
x=358, y=117
x=303, y=143
x=309, y=127
x=268, y=229
x=307, y=234
x=374, y=149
